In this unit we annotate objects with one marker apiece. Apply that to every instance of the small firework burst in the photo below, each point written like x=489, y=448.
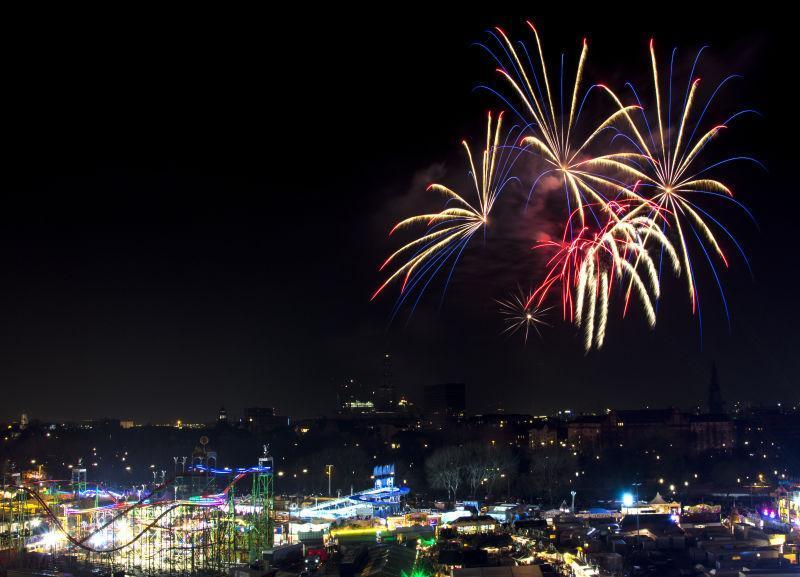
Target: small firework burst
x=519, y=315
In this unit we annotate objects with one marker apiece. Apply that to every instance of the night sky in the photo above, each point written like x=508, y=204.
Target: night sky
x=195, y=207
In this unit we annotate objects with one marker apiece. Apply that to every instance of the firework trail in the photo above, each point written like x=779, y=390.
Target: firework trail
x=674, y=176
x=587, y=264
x=584, y=177
x=642, y=190
x=449, y=231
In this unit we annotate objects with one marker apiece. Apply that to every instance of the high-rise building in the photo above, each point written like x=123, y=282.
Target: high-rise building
x=263, y=419
x=386, y=401
x=715, y=403
x=445, y=399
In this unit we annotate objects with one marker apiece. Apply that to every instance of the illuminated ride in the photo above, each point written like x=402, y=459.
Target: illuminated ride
x=381, y=500
x=185, y=525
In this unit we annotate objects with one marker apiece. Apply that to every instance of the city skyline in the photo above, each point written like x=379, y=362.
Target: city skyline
x=346, y=292
x=710, y=400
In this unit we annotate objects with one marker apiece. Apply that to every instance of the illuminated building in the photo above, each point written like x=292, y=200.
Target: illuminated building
x=404, y=405
x=789, y=506
x=658, y=506
x=699, y=433
x=473, y=525
x=355, y=398
x=500, y=571
x=542, y=435
x=712, y=432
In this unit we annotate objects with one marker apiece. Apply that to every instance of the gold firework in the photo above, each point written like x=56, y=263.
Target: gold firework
x=450, y=230
x=583, y=175
x=673, y=177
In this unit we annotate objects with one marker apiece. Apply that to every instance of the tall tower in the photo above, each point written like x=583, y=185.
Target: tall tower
x=388, y=401
x=715, y=403
x=261, y=530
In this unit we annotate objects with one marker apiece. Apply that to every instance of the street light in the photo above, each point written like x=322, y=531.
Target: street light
x=637, y=485
x=329, y=469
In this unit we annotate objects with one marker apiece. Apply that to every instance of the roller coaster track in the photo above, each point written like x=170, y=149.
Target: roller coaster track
x=142, y=502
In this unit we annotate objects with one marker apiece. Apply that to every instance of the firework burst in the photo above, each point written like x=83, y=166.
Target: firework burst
x=520, y=314
x=674, y=176
x=587, y=264
x=629, y=207
x=584, y=177
x=449, y=231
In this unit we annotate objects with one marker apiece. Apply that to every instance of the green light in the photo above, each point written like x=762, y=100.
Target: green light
x=416, y=572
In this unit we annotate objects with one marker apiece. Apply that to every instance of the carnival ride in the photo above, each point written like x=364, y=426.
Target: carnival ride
x=185, y=525
x=372, y=502
x=203, y=519
x=381, y=500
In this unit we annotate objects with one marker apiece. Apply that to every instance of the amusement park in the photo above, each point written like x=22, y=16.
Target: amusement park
x=210, y=520
x=203, y=519
x=354, y=292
